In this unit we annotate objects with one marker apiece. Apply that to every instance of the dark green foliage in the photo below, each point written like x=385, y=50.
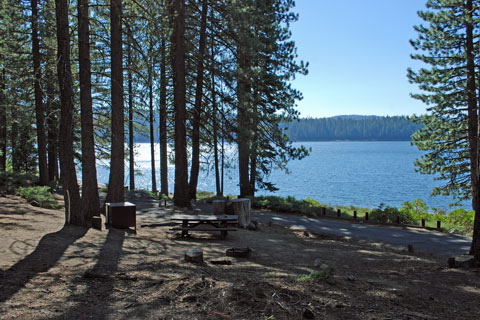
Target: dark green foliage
x=441, y=46
x=290, y=204
x=388, y=214
x=356, y=128
x=38, y=195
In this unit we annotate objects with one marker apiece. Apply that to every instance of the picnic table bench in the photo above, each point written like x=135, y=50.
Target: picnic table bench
x=205, y=223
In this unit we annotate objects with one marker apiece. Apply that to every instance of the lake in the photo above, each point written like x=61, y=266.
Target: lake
x=336, y=173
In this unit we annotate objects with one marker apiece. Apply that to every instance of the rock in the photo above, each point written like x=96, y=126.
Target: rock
x=351, y=278
x=35, y=203
x=307, y=314
x=194, y=255
x=317, y=263
x=463, y=261
x=306, y=234
x=324, y=266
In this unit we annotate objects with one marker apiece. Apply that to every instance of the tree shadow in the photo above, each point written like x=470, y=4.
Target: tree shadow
x=99, y=281
x=47, y=253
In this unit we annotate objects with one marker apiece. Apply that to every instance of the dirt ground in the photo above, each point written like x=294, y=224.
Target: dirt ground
x=48, y=271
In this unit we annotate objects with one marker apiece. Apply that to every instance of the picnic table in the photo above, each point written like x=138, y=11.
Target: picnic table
x=205, y=223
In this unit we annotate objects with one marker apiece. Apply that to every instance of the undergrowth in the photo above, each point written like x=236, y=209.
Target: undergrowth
x=39, y=196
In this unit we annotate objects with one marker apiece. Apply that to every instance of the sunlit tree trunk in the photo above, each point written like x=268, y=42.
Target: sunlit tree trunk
x=181, y=197
x=117, y=165
x=195, y=169
x=73, y=206
x=90, y=198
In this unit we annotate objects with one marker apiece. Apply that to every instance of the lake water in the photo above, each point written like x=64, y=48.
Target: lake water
x=336, y=173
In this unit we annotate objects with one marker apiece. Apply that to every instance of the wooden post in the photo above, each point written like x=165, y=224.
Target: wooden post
x=398, y=219
x=218, y=207
x=338, y=213
x=366, y=216
x=423, y=223
x=439, y=225
x=355, y=214
x=242, y=207
x=324, y=211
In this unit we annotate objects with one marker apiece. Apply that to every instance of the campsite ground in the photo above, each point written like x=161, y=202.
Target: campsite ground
x=48, y=271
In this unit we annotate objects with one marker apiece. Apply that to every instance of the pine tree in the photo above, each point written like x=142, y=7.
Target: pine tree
x=117, y=164
x=73, y=208
x=449, y=45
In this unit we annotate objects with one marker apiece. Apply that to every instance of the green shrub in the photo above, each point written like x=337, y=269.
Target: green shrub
x=462, y=218
x=40, y=196
x=388, y=214
x=417, y=209
x=325, y=274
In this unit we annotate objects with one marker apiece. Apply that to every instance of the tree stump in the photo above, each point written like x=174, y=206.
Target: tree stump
x=464, y=261
x=242, y=208
x=194, y=255
x=218, y=207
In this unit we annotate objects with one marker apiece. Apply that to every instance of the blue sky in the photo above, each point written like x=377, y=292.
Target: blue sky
x=359, y=52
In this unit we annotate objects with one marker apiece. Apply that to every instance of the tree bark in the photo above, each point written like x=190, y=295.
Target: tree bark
x=3, y=118
x=195, y=169
x=73, y=206
x=117, y=165
x=243, y=119
x=52, y=135
x=215, y=128
x=151, y=120
x=39, y=108
x=181, y=197
x=473, y=127
x=131, y=145
x=163, y=119
x=90, y=198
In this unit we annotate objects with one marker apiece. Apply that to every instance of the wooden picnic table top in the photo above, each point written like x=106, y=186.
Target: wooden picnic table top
x=203, y=217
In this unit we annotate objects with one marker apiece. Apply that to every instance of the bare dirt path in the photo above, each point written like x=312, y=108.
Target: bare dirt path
x=48, y=271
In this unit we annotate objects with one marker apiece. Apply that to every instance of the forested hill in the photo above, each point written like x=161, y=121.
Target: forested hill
x=357, y=128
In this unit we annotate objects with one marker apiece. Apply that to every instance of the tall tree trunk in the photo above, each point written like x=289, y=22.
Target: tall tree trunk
x=117, y=165
x=163, y=119
x=253, y=152
x=473, y=127
x=181, y=197
x=151, y=120
x=13, y=139
x=39, y=109
x=73, y=205
x=52, y=134
x=195, y=169
x=90, y=199
x=215, y=127
x=3, y=118
x=131, y=145
x=243, y=120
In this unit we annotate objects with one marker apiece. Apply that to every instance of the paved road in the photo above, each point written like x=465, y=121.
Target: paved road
x=153, y=212
x=423, y=240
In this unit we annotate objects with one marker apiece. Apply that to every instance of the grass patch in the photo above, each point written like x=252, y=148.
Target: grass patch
x=38, y=196
x=326, y=273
